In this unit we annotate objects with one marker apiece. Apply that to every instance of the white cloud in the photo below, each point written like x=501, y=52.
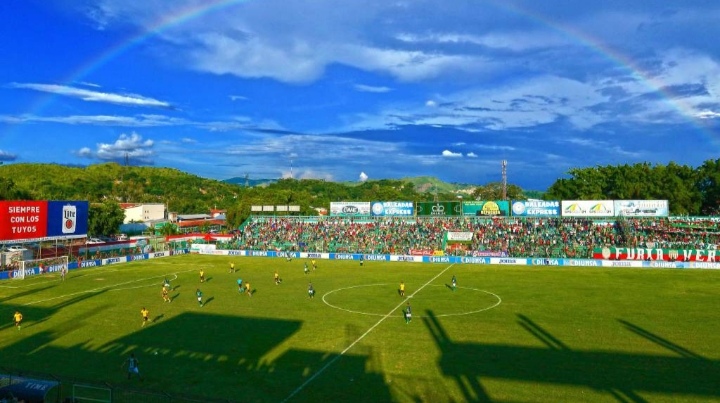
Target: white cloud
x=85, y=152
x=471, y=155
x=430, y=103
x=103, y=120
x=707, y=115
x=514, y=41
x=370, y=88
x=363, y=177
x=131, y=147
x=238, y=98
x=94, y=96
x=450, y=154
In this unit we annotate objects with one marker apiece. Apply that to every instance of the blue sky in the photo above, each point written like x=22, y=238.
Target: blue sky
x=360, y=89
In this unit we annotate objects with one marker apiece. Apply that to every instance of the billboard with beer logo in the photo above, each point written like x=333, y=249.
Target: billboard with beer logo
x=439, y=209
x=483, y=208
x=33, y=220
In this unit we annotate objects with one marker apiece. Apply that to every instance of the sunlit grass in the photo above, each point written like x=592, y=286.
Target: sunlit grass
x=520, y=334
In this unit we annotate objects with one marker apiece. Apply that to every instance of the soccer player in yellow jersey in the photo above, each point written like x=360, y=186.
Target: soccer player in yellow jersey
x=232, y=267
x=277, y=278
x=202, y=275
x=165, y=294
x=402, y=289
x=248, y=290
x=18, y=320
x=145, y=315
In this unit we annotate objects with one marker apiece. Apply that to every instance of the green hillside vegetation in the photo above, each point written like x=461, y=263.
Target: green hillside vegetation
x=690, y=191
x=184, y=193
x=181, y=191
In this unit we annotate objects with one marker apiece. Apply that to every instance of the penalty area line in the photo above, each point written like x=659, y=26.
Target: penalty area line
x=362, y=336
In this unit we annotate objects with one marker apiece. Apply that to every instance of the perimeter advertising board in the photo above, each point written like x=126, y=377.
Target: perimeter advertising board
x=587, y=208
x=536, y=208
x=641, y=208
x=392, y=208
x=439, y=209
x=349, y=208
x=657, y=254
x=484, y=208
x=22, y=221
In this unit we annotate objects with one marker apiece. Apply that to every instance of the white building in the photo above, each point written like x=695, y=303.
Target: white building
x=139, y=212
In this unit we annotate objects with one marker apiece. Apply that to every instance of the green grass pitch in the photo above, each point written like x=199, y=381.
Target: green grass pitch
x=507, y=334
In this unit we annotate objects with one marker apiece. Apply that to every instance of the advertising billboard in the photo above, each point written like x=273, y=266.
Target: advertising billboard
x=536, y=208
x=641, y=208
x=22, y=221
x=393, y=208
x=349, y=208
x=587, y=208
x=483, y=208
x=439, y=209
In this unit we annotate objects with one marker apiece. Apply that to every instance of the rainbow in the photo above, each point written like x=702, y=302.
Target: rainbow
x=181, y=16
x=195, y=11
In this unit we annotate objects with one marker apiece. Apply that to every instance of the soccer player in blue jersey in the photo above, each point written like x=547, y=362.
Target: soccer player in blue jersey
x=240, y=285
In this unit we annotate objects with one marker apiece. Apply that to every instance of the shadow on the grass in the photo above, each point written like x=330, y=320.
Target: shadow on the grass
x=622, y=375
x=679, y=350
x=26, y=293
x=229, y=349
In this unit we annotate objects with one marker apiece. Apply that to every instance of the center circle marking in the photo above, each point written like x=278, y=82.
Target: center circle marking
x=487, y=308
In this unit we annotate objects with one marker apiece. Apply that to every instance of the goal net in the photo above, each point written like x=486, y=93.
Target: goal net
x=56, y=265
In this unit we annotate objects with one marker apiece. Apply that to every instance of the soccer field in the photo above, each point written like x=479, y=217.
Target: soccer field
x=506, y=334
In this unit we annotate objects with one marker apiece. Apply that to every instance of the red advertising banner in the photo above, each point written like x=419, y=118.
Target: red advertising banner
x=27, y=220
x=421, y=252
x=23, y=219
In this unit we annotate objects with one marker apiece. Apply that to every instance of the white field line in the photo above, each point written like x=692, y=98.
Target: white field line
x=108, y=287
x=54, y=277
x=487, y=308
x=337, y=357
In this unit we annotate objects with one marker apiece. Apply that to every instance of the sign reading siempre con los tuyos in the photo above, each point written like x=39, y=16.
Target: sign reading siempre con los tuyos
x=33, y=220
x=670, y=255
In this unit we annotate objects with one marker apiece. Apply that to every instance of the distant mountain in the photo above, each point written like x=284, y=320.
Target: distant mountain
x=423, y=184
x=431, y=184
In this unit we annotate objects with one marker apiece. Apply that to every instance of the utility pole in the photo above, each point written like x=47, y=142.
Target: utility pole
x=504, y=179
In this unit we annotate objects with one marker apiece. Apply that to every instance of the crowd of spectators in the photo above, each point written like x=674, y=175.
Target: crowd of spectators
x=514, y=236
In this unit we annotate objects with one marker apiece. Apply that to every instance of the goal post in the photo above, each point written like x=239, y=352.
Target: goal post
x=56, y=264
